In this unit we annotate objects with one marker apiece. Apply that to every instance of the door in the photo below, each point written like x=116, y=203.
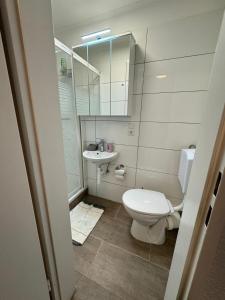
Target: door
x=22, y=270
x=208, y=280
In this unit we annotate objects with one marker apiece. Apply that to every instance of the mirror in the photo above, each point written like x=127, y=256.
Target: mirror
x=104, y=82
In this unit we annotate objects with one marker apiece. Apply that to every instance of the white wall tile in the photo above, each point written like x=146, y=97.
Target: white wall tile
x=138, y=78
x=184, y=37
x=128, y=181
x=90, y=130
x=140, y=37
x=127, y=155
x=92, y=190
x=91, y=170
x=183, y=74
x=168, y=135
x=161, y=111
x=117, y=132
x=184, y=107
x=111, y=191
x=164, y=183
x=160, y=160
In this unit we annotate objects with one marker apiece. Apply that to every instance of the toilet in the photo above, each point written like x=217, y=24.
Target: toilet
x=151, y=211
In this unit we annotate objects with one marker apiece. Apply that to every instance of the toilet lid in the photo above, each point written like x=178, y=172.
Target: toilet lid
x=147, y=202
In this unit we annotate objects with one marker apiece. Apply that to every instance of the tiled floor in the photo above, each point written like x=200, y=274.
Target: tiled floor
x=113, y=265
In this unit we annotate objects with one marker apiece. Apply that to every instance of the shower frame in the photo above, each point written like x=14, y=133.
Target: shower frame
x=73, y=56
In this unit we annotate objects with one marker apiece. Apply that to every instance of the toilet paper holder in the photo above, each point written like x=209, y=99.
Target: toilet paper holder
x=120, y=171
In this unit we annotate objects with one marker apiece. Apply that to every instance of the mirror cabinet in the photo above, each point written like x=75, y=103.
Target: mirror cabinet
x=103, y=75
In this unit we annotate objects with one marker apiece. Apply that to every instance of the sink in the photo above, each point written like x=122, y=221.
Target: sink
x=99, y=157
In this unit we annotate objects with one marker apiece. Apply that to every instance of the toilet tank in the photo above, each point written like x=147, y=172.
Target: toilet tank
x=186, y=160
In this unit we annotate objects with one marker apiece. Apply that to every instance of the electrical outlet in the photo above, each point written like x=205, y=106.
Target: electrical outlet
x=131, y=132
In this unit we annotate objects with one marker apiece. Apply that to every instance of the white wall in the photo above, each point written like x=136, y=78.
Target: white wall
x=213, y=111
x=167, y=112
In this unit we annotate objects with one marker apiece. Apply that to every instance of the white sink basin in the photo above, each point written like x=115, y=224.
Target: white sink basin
x=99, y=157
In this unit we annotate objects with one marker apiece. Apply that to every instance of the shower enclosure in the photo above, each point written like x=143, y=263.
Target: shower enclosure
x=69, y=120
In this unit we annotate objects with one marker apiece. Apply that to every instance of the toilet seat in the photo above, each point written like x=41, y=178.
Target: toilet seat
x=147, y=202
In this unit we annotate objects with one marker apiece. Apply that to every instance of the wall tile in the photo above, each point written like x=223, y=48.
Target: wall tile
x=183, y=74
x=91, y=170
x=111, y=191
x=140, y=37
x=127, y=155
x=138, y=78
x=168, y=135
x=184, y=107
x=184, y=37
x=159, y=160
x=92, y=189
x=117, y=132
x=129, y=178
x=164, y=183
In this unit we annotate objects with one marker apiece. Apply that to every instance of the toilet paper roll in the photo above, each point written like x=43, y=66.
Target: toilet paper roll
x=119, y=177
x=120, y=172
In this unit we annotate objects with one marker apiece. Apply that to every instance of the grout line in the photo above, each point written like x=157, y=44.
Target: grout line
x=163, y=122
x=171, y=92
x=122, y=249
x=175, y=92
x=145, y=147
x=148, y=260
x=142, y=88
x=179, y=57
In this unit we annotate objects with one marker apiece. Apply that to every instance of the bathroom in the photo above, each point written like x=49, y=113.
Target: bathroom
x=172, y=61
x=130, y=88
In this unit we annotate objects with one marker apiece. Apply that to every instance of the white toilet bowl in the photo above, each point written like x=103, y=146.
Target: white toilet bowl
x=152, y=214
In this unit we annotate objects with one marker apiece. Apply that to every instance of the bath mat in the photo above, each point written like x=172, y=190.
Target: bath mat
x=83, y=218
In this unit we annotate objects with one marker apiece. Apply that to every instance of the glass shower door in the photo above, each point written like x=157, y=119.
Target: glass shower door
x=70, y=124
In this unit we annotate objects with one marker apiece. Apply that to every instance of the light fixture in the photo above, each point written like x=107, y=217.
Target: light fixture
x=161, y=76
x=96, y=34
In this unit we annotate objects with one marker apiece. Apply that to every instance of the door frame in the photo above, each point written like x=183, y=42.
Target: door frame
x=217, y=156
x=32, y=64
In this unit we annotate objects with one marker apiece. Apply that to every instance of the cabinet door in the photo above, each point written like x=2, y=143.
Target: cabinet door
x=22, y=270
x=120, y=62
x=99, y=78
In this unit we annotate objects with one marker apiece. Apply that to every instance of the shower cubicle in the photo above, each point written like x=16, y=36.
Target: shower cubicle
x=65, y=59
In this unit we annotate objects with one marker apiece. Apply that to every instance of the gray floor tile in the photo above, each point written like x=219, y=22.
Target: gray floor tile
x=90, y=290
x=126, y=275
x=111, y=208
x=162, y=254
x=117, y=233
x=123, y=216
x=85, y=254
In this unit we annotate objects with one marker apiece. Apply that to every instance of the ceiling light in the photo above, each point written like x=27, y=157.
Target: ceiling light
x=161, y=76
x=95, y=34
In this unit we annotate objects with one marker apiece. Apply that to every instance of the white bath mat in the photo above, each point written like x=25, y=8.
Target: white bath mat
x=83, y=218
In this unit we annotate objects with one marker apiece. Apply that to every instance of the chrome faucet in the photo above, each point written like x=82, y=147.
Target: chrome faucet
x=101, y=145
